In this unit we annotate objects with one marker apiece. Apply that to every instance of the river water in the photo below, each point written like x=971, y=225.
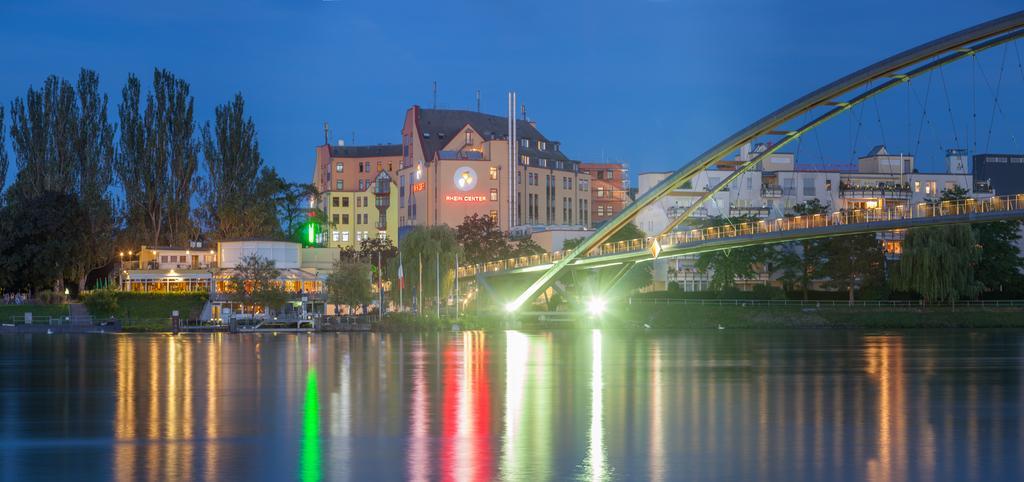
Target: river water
x=649, y=405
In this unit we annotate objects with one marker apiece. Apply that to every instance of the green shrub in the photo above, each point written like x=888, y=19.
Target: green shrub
x=48, y=297
x=102, y=302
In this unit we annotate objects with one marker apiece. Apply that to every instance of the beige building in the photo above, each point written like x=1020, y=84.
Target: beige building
x=455, y=164
x=359, y=195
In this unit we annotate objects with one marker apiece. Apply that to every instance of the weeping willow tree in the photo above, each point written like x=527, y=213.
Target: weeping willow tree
x=939, y=263
x=432, y=249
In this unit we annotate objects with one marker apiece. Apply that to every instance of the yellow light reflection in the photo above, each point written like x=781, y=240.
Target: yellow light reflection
x=595, y=462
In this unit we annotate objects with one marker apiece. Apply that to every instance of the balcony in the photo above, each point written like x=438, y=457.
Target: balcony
x=894, y=192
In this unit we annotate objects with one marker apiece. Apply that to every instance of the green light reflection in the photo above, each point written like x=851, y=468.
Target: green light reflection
x=310, y=455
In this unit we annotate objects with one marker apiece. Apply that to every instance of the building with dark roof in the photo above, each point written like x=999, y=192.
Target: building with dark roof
x=455, y=163
x=358, y=194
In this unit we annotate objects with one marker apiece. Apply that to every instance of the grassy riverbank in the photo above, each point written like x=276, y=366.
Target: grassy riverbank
x=8, y=311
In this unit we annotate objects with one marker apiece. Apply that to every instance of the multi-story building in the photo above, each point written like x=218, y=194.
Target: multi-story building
x=456, y=163
x=1003, y=173
x=358, y=193
x=609, y=189
x=771, y=190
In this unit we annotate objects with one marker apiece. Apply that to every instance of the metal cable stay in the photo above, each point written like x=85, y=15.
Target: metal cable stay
x=927, y=57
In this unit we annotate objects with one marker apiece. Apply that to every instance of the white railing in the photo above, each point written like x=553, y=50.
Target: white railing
x=839, y=218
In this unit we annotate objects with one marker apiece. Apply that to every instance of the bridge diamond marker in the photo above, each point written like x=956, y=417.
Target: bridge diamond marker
x=655, y=248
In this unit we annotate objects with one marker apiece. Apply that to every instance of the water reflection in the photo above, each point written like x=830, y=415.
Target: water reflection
x=514, y=405
x=310, y=467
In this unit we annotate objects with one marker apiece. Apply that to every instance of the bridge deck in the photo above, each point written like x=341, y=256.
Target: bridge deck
x=694, y=241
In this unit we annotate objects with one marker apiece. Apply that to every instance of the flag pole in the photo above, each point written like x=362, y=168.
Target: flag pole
x=458, y=301
x=437, y=280
x=419, y=287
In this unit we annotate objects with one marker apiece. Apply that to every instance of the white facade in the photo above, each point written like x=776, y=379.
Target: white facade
x=285, y=254
x=879, y=180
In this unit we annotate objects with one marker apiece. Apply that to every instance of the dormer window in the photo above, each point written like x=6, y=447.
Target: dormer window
x=525, y=143
x=469, y=138
x=426, y=135
x=542, y=145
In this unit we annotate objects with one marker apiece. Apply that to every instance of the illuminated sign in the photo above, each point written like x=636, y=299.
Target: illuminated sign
x=419, y=186
x=465, y=198
x=465, y=178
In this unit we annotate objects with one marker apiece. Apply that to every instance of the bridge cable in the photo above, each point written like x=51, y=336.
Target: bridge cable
x=996, y=105
x=924, y=117
x=949, y=108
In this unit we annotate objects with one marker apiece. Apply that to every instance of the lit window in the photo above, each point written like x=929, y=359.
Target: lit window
x=340, y=167
x=493, y=171
x=917, y=186
x=335, y=236
x=494, y=194
x=344, y=236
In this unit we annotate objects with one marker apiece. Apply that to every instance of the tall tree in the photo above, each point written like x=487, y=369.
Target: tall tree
x=43, y=134
x=732, y=263
x=64, y=144
x=158, y=159
x=141, y=172
x=938, y=262
x=854, y=262
x=422, y=244
x=349, y=284
x=233, y=207
x=32, y=257
x=254, y=283
x=999, y=264
x=801, y=261
x=482, y=239
x=3, y=152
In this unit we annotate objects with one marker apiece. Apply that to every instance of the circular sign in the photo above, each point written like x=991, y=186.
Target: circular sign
x=465, y=178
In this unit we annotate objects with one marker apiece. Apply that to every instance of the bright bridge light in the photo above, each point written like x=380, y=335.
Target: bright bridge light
x=596, y=306
x=511, y=306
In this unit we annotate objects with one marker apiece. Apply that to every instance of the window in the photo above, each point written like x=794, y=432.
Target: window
x=344, y=219
x=917, y=186
x=600, y=175
x=524, y=143
x=380, y=166
x=469, y=137
x=163, y=259
x=600, y=191
x=344, y=236
x=600, y=210
x=340, y=167
x=519, y=178
x=609, y=175
x=360, y=166
x=493, y=171
x=950, y=185
x=335, y=201
x=335, y=236
x=340, y=185
x=809, y=186
x=344, y=202
x=494, y=215
x=365, y=204
x=334, y=219
x=494, y=194
x=828, y=185
x=524, y=160
x=542, y=145
x=929, y=187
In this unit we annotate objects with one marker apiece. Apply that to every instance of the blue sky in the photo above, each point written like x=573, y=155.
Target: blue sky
x=650, y=82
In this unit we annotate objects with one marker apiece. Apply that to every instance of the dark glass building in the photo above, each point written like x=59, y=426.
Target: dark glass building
x=1003, y=173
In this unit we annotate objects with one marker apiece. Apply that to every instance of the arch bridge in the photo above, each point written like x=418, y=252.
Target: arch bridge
x=777, y=130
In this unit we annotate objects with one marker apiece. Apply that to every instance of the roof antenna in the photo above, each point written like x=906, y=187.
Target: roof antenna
x=435, y=94
x=524, y=111
x=478, y=100
x=353, y=138
x=327, y=140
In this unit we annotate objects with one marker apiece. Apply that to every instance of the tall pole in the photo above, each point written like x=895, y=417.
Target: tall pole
x=511, y=162
x=458, y=299
x=437, y=280
x=419, y=287
x=380, y=287
x=401, y=284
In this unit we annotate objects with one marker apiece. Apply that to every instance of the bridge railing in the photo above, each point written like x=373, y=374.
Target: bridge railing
x=793, y=223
